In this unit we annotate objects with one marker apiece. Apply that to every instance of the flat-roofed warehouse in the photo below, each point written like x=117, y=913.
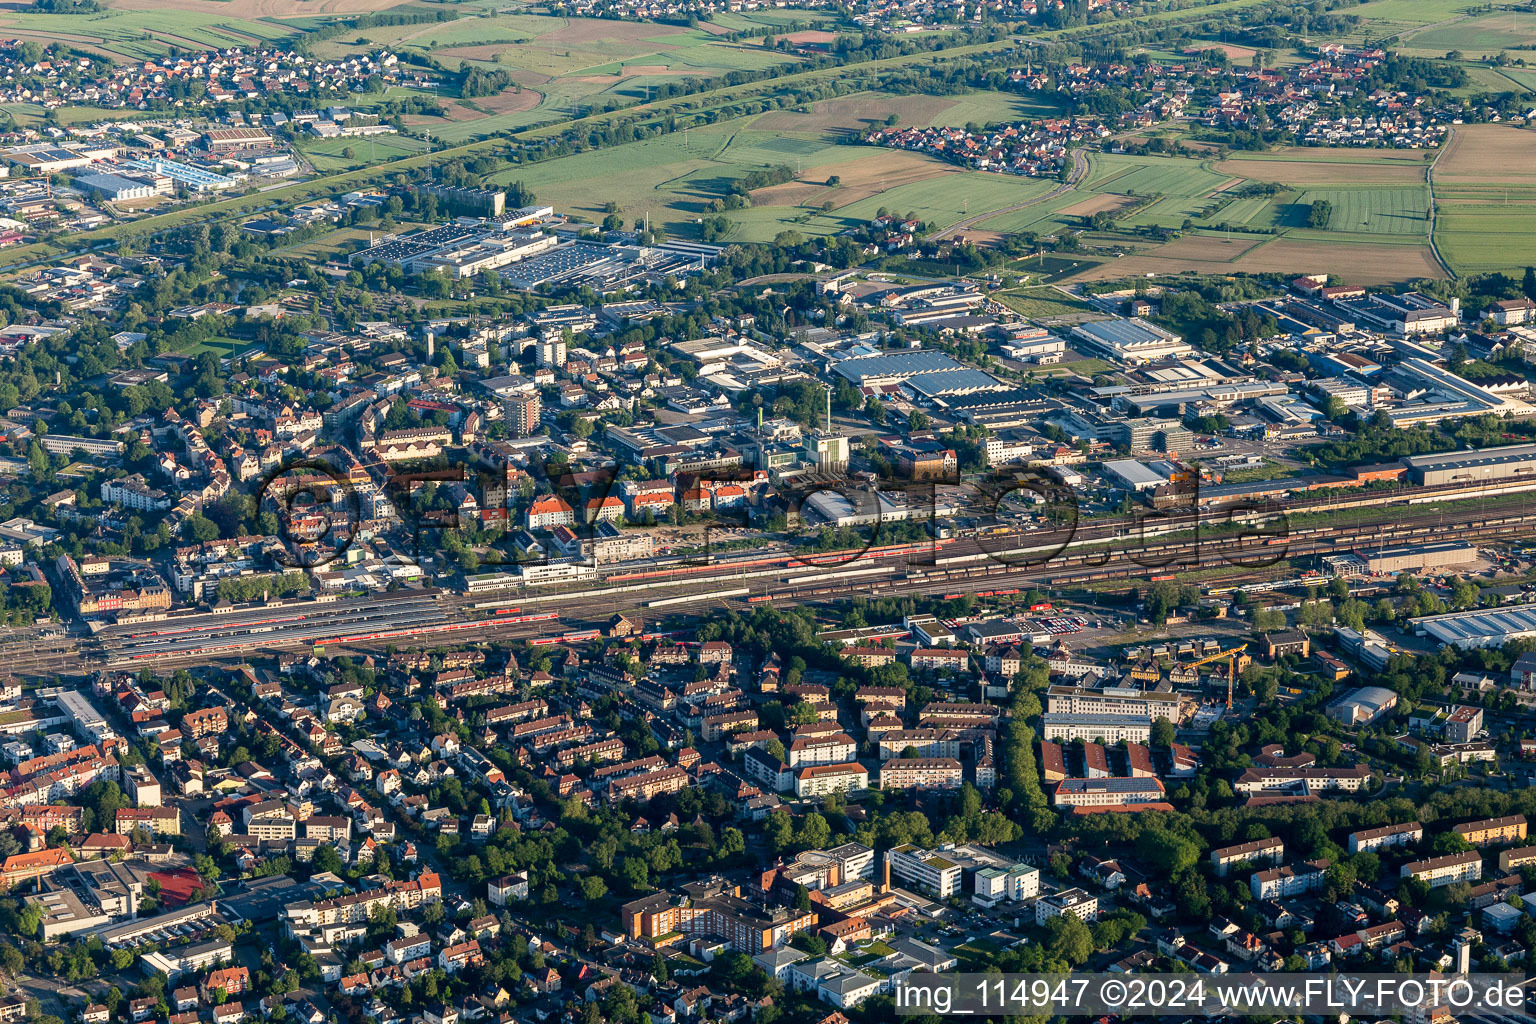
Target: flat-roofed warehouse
x=1135, y=475
x=1513, y=461
x=942, y=383
x=235, y=138
x=115, y=187
x=893, y=367
x=1133, y=340
x=45, y=158
x=1482, y=627
x=1418, y=559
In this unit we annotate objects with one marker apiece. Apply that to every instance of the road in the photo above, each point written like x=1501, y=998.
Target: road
x=1429, y=179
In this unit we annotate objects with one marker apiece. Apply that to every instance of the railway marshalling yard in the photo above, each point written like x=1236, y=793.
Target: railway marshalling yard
x=1227, y=548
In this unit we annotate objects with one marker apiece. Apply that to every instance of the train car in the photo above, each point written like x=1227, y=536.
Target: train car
x=834, y=558
x=759, y=598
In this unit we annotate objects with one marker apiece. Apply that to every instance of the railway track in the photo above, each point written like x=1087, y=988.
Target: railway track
x=921, y=569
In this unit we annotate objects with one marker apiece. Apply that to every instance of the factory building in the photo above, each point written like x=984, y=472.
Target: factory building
x=1480, y=627
x=1131, y=341
x=115, y=188
x=1363, y=706
x=1483, y=464
x=1419, y=559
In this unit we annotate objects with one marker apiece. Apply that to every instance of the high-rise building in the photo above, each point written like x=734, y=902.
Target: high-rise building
x=522, y=413
x=551, y=352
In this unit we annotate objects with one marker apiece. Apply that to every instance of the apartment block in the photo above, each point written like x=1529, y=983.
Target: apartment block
x=1387, y=836
x=1258, y=852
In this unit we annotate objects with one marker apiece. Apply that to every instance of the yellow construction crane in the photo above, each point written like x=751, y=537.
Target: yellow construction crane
x=1231, y=655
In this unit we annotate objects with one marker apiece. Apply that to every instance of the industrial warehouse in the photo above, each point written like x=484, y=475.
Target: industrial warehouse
x=1483, y=627
x=1488, y=464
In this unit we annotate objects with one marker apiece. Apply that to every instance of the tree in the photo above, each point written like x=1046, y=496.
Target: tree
x=1173, y=854
x=804, y=713
x=1162, y=733
x=732, y=843
x=1070, y=939
x=779, y=831
x=815, y=833
x=201, y=528
x=1448, y=843
x=808, y=943
x=1161, y=600
x=635, y=874
x=326, y=859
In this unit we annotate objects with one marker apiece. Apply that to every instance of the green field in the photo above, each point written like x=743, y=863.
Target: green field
x=1378, y=210
x=330, y=154
x=565, y=66
x=674, y=183
x=991, y=108
x=1388, y=212
x=1485, y=34
x=1414, y=12
x=1150, y=175
x=944, y=201
x=138, y=35
x=1042, y=302
x=656, y=192
x=1491, y=237
x=1042, y=218
x=670, y=176
x=1240, y=210
x=1492, y=79
x=1173, y=211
